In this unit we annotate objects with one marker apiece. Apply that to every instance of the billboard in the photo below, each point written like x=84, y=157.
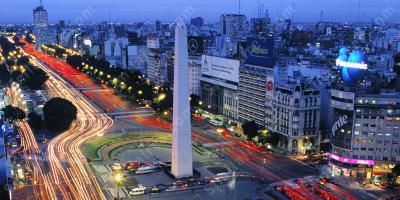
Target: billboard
x=342, y=128
x=270, y=87
x=195, y=45
x=353, y=65
x=260, y=51
x=222, y=68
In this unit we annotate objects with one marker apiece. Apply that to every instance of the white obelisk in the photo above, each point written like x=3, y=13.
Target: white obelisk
x=182, y=163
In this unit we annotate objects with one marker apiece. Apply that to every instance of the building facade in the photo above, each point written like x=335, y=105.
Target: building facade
x=40, y=25
x=234, y=25
x=365, y=135
x=252, y=93
x=296, y=109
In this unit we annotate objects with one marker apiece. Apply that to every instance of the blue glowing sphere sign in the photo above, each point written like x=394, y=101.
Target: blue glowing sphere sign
x=353, y=65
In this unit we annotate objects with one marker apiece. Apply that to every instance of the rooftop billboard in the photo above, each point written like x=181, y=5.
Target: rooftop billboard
x=259, y=51
x=353, y=65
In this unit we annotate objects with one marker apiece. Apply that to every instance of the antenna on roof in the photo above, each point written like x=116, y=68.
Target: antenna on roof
x=322, y=15
x=41, y=3
x=359, y=10
x=293, y=11
x=239, y=7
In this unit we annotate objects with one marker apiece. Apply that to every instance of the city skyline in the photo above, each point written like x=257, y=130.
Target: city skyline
x=125, y=12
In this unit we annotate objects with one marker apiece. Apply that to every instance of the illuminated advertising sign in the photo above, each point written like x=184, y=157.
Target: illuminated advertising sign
x=259, y=51
x=342, y=128
x=222, y=68
x=350, y=160
x=195, y=45
x=353, y=65
x=270, y=87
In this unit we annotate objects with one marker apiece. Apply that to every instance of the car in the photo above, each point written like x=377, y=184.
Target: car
x=179, y=184
x=155, y=190
x=132, y=165
x=116, y=167
x=158, y=188
x=140, y=190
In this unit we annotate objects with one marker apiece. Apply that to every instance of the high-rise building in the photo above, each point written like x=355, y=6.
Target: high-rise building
x=296, y=110
x=261, y=25
x=256, y=80
x=40, y=24
x=365, y=137
x=157, y=60
x=253, y=93
x=233, y=25
x=182, y=161
x=61, y=24
x=198, y=22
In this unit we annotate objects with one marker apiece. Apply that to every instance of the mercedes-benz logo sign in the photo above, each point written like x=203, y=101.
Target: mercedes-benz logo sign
x=193, y=45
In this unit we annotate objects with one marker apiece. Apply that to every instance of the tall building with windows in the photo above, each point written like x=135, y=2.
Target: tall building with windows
x=256, y=81
x=366, y=132
x=296, y=110
x=40, y=24
x=252, y=93
x=233, y=25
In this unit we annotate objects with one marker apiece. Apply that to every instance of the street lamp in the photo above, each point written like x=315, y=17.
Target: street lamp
x=118, y=179
x=264, y=162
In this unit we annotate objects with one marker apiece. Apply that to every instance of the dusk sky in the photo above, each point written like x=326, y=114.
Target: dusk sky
x=20, y=11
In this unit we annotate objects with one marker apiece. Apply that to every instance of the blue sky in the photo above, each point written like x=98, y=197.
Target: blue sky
x=20, y=11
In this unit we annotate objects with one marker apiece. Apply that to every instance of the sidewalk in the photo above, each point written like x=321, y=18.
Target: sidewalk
x=347, y=182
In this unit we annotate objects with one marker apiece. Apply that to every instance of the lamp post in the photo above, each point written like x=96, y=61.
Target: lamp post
x=219, y=131
x=264, y=163
x=118, y=179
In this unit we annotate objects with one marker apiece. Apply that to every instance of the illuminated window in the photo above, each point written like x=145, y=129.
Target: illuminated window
x=356, y=132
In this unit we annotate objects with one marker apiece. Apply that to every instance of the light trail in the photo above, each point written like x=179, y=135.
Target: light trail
x=69, y=174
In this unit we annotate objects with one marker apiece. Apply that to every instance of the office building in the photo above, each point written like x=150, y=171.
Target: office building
x=296, y=109
x=234, y=25
x=40, y=25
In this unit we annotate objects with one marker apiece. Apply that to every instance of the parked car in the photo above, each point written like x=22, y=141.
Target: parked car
x=140, y=190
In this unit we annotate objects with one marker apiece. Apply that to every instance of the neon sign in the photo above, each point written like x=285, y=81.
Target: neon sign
x=350, y=160
x=353, y=65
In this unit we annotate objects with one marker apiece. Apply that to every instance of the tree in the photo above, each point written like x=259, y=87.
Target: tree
x=24, y=60
x=396, y=67
x=13, y=113
x=35, y=78
x=250, y=129
x=35, y=121
x=394, y=178
x=59, y=114
x=194, y=101
x=396, y=170
x=272, y=138
x=4, y=75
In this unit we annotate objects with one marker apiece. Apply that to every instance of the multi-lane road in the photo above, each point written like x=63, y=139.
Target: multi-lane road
x=64, y=172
